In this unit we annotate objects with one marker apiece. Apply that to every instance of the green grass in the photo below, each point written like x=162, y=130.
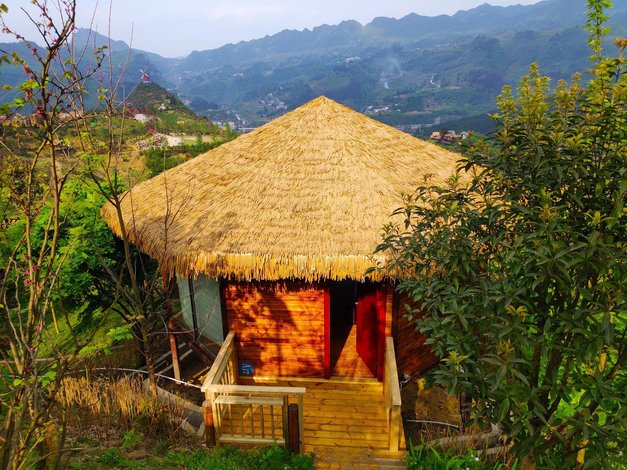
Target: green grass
x=218, y=458
x=64, y=341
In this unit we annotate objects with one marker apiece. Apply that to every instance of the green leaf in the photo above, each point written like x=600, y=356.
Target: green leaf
x=520, y=376
x=47, y=378
x=504, y=409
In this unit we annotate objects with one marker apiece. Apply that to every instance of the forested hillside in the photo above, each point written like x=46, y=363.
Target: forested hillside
x=415, y=72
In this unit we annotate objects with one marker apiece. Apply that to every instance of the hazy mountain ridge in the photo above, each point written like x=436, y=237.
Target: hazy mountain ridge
x=484, y=19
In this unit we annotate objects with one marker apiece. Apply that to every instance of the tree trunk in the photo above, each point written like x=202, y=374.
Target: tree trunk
x=150, y=363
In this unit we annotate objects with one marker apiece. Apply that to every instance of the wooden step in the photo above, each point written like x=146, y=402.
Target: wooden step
x=386, y=464
x=327, y=457
x=346, y=435
x=346, y=442
x=332, y=398
x=341, y=427
x=351, y=420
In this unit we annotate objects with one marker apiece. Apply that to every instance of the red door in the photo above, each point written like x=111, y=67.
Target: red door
x=368, y=309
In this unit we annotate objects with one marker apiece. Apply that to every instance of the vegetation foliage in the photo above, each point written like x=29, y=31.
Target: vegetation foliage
x=520, y=267
x=424, y=457
x=62, y=272
x=217, y=458
x=31, y=192
x=520, y=272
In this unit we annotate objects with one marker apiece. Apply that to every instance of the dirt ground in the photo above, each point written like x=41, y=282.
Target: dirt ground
x=432, y=403
x=429, y=404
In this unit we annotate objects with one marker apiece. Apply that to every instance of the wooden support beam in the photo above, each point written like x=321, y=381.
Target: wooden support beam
x=174, y=347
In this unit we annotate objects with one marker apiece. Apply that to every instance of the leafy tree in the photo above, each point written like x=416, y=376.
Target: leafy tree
x=520, y=267
x=159, y=159
x=89, y=249
x=32, y=182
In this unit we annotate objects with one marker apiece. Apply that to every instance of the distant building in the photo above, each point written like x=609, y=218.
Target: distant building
x=69, y=116
x=448, y=137
x=141, y=117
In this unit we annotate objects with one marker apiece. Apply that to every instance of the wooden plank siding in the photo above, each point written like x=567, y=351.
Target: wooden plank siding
x=279, y=326
x=413, y=357
x=280, y=329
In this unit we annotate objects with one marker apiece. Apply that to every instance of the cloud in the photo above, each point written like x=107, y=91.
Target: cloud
x=242, y=11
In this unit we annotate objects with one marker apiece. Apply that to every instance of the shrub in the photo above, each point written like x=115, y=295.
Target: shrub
x=230, y=458
x=424, y=457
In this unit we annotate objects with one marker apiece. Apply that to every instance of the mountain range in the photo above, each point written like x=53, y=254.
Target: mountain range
x=415, y=72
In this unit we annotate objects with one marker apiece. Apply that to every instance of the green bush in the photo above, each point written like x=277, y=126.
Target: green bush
x=230, y=458
x=424, y=457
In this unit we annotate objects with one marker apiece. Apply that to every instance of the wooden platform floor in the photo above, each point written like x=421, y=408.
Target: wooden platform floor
x=349, y=363
x=345, y=424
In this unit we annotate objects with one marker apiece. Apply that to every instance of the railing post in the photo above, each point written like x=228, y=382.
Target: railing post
x=210, y=431
x=392, y=396
x=301, y=426
x=293, y=433
x=395, y=428
x=284, y=412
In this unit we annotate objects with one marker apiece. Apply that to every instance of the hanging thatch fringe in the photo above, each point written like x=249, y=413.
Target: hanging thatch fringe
x=305, y=196
x=246, y=266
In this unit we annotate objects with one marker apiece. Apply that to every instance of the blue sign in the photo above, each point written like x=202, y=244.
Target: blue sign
x=246, y=368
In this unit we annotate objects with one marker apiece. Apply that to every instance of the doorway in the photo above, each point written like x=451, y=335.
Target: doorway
x=355, y=312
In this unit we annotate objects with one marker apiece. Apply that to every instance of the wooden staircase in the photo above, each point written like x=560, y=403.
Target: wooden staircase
x=345, y=424
x=346, y=427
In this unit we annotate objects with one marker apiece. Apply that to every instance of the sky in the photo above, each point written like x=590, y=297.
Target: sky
x=174, y=28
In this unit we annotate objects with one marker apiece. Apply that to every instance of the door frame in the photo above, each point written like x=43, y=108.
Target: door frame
x=327, y=331
x=381, y=311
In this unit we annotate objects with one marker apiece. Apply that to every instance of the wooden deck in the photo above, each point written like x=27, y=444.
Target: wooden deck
x=344, y=423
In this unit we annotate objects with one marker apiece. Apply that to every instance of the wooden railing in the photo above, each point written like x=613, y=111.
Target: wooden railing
x=245, y=414
x=392, y=396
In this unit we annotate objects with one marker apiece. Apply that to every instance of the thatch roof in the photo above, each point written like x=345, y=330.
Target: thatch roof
x=305, y=196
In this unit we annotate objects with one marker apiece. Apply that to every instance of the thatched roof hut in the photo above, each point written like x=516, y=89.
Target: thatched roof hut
x=305, y=196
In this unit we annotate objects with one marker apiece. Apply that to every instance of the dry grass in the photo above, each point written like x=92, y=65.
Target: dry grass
x=305, y=196
x=100, y=406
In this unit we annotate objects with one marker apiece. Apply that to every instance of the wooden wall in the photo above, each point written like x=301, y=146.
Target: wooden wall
x=413, y=357
x=279, y=326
